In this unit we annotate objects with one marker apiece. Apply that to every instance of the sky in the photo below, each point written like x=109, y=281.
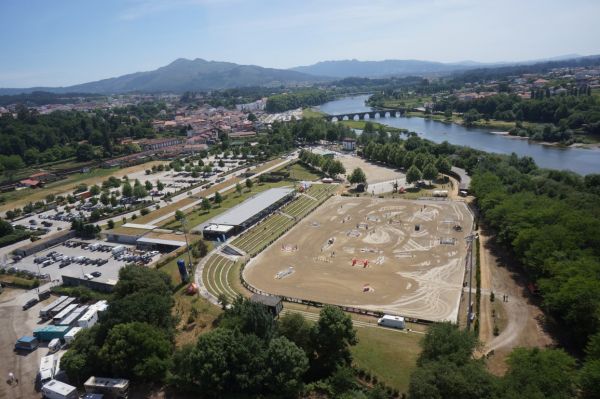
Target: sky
x=65, y=42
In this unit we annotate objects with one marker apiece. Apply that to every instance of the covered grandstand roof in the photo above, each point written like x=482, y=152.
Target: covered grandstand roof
x=247, y=209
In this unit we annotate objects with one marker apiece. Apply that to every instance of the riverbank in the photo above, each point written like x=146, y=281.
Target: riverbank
x=502, y=129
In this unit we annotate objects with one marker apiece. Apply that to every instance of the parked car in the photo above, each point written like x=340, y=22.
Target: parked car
x=96, y=274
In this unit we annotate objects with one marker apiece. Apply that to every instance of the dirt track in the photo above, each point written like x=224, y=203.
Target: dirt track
x=408, y=272
x=520, y=319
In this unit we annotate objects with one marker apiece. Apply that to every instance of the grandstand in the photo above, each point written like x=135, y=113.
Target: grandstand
x=244, y=215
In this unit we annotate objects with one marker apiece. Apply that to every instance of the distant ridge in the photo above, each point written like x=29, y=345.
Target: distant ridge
x=185, y=75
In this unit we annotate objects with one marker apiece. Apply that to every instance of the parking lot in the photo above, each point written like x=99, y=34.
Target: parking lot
x=89, y=259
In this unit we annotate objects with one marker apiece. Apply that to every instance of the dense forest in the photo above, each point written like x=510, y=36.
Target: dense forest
x=31, y=138
x=287, y=101
x=43, y=97
x=564, y=113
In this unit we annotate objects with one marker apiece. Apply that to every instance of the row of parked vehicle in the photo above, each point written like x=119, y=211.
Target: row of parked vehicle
x=91, y=247
x=144, y=257
x=82, y=260
x=63, y=216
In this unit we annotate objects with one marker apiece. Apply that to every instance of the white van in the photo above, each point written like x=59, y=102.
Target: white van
x=54, y=345
x=392, y=321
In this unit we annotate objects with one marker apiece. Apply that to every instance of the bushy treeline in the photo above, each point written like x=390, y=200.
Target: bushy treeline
x=446, y=368
x=33, y=138
x=134, y=337
x=248, y=353
x=550, y=220
x=564, y=111
x=287, y=101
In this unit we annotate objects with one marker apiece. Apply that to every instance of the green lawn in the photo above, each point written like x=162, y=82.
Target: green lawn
x=311, y=113
x=301, y=172
x=390, y=355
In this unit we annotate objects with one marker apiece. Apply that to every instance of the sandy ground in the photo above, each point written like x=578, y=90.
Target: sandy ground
x=520, y=320
x=16, y=323
x=375, y=173
x=409, y=272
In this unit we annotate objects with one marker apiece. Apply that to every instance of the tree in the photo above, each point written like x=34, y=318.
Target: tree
x=294, y=327
x=148, y=185
x=139, y=191
x=286, y=365
x=222, y=361
x=238, y=189
x=11, y=164
x=218, y=198
x=110, y=224
x=126, y=189
x=430, y=172
x=104, y=199
x=357, y=176
x=413, y=174
x=221, y=163
x=538, y=373
x=179, y=215
x=137, y=350
x=95, y=189
x=471, y=116
x=160, y=185
x=252, y=117
x=445, y=341
x=249, y=318
x=134, y=279
x=443, y=165
x=331, y=338
x=206, y=206
x=85, y=152
x=249, y=184
x=144, y=307
x=5, y=228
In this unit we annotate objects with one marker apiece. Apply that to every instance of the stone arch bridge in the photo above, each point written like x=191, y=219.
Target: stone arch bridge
x=367, y=115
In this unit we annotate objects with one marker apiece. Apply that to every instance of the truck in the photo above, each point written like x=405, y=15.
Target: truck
x=89, y=318
x=64, y=313
x=53, y=312
x=118, y=249
x=59, y=390
x=71, y=334
x=73, y=317
x=45, y=311
x=391, y=321
x=48, y=333
x=47, y=368
x=111, y=388
x=27, y=343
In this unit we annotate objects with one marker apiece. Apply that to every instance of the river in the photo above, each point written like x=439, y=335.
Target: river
x=580, y=160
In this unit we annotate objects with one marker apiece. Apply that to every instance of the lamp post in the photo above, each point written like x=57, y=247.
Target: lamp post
x=187, y=244
x=469, y=262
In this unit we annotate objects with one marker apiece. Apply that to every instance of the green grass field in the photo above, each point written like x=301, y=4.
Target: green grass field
x=390, y=355
x=311, y=113
x=301, y=172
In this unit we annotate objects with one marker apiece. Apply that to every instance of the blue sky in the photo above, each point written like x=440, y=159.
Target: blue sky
x=54, y=43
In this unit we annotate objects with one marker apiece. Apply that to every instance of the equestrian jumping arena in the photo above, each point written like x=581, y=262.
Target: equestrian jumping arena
x=396, y=256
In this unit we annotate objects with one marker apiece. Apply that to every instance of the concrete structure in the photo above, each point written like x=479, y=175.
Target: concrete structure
x=157, y=144
x=247, y=213
x=44, y=243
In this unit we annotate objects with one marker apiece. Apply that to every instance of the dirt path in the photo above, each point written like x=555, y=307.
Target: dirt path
x=520, y=319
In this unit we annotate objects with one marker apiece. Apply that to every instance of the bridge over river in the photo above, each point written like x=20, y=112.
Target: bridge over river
x=366, y=115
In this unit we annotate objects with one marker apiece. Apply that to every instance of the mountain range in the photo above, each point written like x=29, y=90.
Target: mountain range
x=201, y=75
